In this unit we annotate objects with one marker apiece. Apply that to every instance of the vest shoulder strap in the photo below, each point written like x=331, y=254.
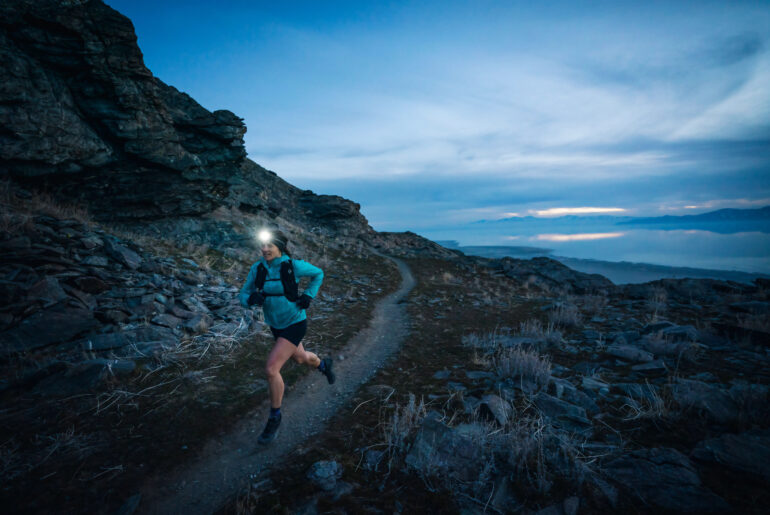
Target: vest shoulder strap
x=259, y=282
x=289, y=281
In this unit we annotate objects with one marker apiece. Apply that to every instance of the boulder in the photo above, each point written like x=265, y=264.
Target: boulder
x=495, y=408
x=629, y=353
x=441, y=451
x=746, y=452
x=122, y=254
x=710, y=399
x=91, y=284
x=665, y=479
x=143, y=338
x=84, y=376
x=57, y=324
x=562, y=414
x=48, y=290
x=325, y=474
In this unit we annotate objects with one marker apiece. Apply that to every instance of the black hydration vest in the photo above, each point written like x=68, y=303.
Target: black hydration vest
x=290, y=289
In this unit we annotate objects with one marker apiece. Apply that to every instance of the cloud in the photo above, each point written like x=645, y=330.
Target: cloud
x=577, y=237
x=561, y=211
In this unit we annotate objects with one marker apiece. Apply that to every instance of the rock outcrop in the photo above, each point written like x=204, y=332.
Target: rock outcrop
x=82, y=116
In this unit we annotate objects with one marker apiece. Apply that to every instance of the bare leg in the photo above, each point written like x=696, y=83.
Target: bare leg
x=281, y=352
x=306, y=357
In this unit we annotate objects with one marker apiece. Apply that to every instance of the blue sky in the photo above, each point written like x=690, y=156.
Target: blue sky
x=439, y=113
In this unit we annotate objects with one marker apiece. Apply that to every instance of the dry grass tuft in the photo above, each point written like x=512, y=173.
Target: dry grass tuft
x=527, y=364
x=17, y=212
x=656, y=303
x=403, y=422
x=565, y=315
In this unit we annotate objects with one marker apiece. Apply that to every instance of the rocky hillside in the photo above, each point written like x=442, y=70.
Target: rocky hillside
x=83, y=117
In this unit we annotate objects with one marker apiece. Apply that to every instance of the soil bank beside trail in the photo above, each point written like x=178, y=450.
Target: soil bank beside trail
x=227, y=462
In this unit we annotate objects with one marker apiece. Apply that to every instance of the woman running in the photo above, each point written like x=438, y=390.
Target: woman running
x=272, y=284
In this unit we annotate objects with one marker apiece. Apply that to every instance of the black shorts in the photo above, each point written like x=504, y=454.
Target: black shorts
x=294, y=333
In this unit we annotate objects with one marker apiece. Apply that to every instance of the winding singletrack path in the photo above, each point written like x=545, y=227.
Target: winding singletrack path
x=225, y=464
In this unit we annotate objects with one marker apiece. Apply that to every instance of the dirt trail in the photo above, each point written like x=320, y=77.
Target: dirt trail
x=226, y=463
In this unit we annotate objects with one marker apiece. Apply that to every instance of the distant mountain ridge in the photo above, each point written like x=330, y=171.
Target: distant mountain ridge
x=720, y=215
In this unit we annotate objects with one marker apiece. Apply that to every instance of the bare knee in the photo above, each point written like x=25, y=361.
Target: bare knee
x=272, y=370
x=300, y=357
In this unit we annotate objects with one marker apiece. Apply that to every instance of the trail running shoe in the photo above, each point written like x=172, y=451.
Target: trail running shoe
x=271, y=429
x=327, y=371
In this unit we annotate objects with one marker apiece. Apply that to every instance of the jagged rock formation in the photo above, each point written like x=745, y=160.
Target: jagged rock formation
x=81, y=115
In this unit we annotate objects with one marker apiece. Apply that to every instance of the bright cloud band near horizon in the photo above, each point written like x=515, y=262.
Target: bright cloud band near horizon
x=577, y=237
x=560, y=211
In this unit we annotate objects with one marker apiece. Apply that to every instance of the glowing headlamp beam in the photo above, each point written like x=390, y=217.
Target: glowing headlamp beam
x=265, y=236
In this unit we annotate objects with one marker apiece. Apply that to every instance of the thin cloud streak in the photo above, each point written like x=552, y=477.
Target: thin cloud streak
x=577, y=237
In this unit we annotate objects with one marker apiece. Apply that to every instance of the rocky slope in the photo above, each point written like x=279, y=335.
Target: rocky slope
x=82, y=116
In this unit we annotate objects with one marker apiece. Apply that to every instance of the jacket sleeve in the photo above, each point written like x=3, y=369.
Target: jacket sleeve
x=248, y=287
x=305, y=269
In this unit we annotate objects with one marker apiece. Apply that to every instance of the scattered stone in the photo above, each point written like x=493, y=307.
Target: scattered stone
x=478, y=374
x=442, y=374
x=665, y=347
x=629, y=353
x=181, y=313
x=122, y=254
x=495, y=408
x=652, y=366
x=593, y=384
x=143, y=338
x=198, y=324
x=47, y=290
x=99, y=261
x=167, y=320
x=680, y=333
x=91, y=242
x=91, y=284
x=325, y=474
x=194, y=304
x=455, y=387
x=562, y=413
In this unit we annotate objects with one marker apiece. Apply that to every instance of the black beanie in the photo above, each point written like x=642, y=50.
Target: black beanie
x=280, y=240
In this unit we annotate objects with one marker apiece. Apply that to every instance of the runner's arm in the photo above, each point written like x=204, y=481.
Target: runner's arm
x=248, y=287
x=305, y=269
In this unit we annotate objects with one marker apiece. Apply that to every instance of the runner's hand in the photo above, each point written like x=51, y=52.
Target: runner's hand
x=256, y=298
x=304, y=301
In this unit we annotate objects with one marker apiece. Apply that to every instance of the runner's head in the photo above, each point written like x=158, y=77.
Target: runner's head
x=273, y=244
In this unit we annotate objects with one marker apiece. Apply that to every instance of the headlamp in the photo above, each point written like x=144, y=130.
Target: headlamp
x=265, y=236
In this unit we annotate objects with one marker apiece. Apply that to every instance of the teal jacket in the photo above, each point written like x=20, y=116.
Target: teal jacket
x=279, y=312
